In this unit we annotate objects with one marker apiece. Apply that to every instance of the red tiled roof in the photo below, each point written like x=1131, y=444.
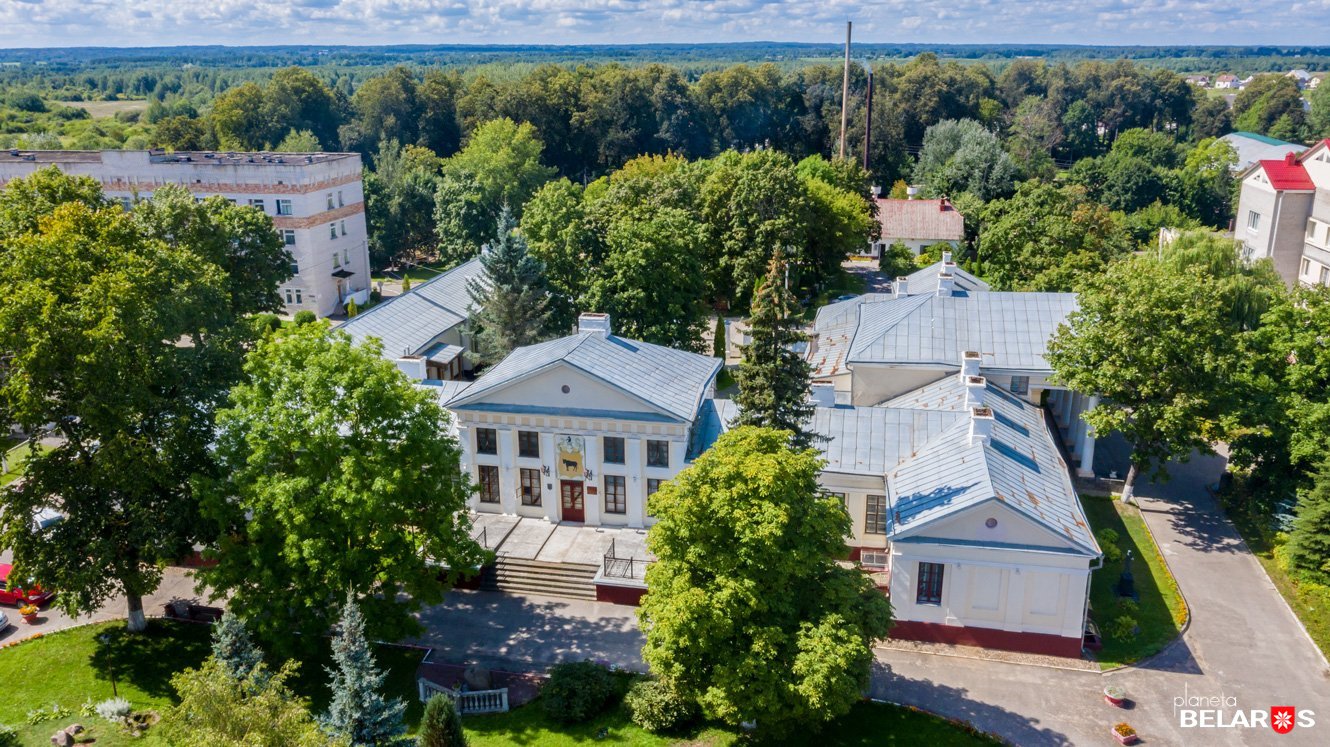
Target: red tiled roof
x=1287, y=173
x=928, y=220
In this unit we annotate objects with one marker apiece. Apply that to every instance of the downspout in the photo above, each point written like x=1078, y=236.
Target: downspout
x=1085, y=608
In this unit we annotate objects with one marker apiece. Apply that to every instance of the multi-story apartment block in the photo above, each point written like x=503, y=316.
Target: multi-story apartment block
x=316, y=201
x=1284, y=214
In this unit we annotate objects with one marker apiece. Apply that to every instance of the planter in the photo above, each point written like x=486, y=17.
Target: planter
x=1129, y=738
x=1115, y=696
x=30, y=619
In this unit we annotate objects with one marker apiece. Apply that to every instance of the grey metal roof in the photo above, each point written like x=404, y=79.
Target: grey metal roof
x=673, y=381
x=925, y=280
x=1020, y=466
x=1010, y=329
x=833, y=328
x=444, y=390
x=872, y=440
x=409, y=323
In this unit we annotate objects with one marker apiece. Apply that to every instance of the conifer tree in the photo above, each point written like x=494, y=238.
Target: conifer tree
x=773, y=377
x=358, y=711
x=233, y=649
x=1309, y=542
x=440, y=726
x=511, y=302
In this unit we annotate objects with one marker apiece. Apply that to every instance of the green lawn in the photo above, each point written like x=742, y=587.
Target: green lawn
x=1309, y=601
x=875, y=724
x=1162, y=609
x=16, y=455
x=425, y=271
x=71, y=668
x=842, y=284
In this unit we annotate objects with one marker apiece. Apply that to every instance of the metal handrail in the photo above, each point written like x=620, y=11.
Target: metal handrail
x=616, y=567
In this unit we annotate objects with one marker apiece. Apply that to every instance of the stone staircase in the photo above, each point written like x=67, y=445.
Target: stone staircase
x=521, y=576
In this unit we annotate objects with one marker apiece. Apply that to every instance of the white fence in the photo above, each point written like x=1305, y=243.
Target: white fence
x=466, y=701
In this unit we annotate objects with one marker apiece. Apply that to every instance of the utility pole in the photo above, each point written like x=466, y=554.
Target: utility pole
x=868, y=117
x=845, y=90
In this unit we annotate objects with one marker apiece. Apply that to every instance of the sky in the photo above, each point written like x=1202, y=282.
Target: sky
x=65, y=23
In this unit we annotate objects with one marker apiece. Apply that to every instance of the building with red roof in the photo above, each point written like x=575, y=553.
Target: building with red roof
x=917, y=224
x=1284, y=217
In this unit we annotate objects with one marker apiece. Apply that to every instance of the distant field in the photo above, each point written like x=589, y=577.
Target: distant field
x=107, y=108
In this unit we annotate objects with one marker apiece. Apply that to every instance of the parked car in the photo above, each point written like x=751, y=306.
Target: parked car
x=4, y=622
x=31, y=593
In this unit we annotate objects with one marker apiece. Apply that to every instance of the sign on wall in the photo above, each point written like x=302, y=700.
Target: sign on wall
x=571, y=460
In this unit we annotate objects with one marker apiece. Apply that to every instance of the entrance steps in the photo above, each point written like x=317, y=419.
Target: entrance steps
x=523, y=576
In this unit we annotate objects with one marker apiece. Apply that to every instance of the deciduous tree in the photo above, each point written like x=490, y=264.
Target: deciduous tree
x=747, y=611
x=255, y=711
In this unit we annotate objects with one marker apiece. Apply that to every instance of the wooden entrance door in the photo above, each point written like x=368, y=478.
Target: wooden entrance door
x=570, y=494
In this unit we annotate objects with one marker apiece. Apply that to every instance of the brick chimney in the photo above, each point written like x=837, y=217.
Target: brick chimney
x=1290, y=158
x=981, y=426
x=594, y=323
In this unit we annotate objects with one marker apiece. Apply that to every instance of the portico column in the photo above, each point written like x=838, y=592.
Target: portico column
x=1086, y=446
x=635, y=484
x=549, y=499
x=1066, y=411
x=507, y=471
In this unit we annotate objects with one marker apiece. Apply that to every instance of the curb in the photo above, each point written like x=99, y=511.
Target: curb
x=994, y=661
x=960, y=723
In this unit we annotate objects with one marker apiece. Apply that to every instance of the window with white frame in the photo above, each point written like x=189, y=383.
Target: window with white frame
x=284, y=207
x=289, y=236
x=1020, y=385
x=658, y=453
x=340, y=201
x=1253, y=220
x=530, y=487
x=259, y=204
x=342, y=225
x=332, y=230
x=929, y=590
x=330, y=201
x=875, y=515
x=1306, y=266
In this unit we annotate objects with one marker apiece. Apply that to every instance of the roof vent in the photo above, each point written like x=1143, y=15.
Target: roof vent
x=594, y=323
x=901, y=287
x=981, y=426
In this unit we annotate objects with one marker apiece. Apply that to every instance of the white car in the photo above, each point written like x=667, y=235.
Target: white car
x=4, y=623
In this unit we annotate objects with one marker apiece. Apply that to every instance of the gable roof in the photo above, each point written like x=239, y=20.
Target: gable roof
x=1020, y=466
x=672, y=381
x=1252, y=147
x=925, y=280
x=1011, y=330
x=408, y=323
x=928, y=220
x=1287, y=174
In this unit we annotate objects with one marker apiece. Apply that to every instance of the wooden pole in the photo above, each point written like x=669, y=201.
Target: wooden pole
x=868, y=118
x=845, y=90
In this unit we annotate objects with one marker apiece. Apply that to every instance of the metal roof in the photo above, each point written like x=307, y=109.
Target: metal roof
x=1011, y=330
x=833, y=328
x=673, y=381
x=1020, y=466
x=924, y=281
x=872, y=440
x=410, y=323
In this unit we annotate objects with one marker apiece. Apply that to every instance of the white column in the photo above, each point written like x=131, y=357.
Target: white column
x=591, y=460
x=635, y=484
x=1065, y=411
x=464, y=445
x=507, y=472
x=1086, y=446
x=549, y=499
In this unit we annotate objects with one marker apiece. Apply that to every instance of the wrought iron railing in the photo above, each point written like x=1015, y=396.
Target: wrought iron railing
x=617, y=567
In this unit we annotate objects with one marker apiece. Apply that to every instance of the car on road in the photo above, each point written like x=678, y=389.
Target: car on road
x=31, y=593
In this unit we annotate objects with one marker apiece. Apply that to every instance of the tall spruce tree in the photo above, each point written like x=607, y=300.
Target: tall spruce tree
x=233, y=649
x=1309, y=542
x=441, y=726
x=511, y=302
x=774, y=377
x=358, y=711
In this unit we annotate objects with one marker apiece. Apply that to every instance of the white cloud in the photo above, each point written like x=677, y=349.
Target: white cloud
x=169, y=22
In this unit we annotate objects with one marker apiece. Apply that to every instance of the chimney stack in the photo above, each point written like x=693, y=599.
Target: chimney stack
x=981, y=426
x=946, y=283
x=901, y=287
x=974, y=391
x=946, y=257
x=594, y=323
x=822, y=394
x=970, y=361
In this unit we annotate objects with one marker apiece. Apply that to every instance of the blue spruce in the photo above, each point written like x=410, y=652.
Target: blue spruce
x=359, y=711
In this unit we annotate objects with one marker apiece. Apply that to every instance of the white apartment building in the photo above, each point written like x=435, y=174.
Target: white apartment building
x=316, y=201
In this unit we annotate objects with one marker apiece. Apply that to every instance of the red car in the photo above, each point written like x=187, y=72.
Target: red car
x=18, y=596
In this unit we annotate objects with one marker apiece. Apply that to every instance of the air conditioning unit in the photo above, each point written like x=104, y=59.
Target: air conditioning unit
x=874, y=559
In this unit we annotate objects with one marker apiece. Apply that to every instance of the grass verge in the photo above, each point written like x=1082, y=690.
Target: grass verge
x=1161, y=612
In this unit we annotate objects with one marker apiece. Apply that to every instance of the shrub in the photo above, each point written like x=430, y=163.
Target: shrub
x=351, y=308
x=655, y=705
x=8, y=736
x=1122, y=627
x=896, y=260
x=117, y=710
x=576, y=692
x=406, y=284
x=1108, y=542
x=1128, y=607
x=265, y=323
x=305, y=316
x=440, y=726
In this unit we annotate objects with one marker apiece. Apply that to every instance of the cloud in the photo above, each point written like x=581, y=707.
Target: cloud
x=30, y=23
